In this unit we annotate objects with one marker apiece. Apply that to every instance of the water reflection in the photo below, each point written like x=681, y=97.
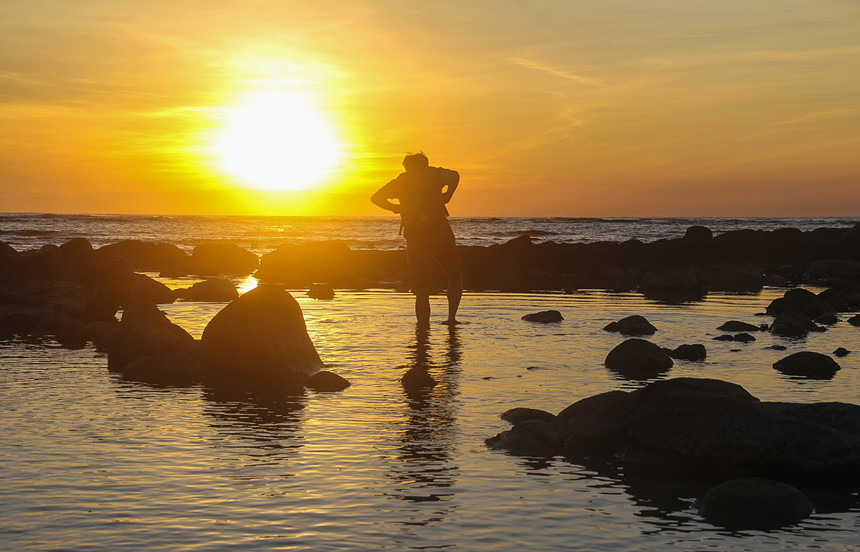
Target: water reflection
x=423, y=445
x=262, y=426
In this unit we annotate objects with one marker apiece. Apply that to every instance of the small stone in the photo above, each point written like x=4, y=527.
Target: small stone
x=841, y=352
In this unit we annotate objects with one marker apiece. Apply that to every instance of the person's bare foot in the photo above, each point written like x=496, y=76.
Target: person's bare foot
x=453, y=322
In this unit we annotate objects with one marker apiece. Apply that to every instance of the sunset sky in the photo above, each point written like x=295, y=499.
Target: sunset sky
x=546, y=108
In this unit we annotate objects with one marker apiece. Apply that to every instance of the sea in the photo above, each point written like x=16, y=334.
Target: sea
x=90, y=461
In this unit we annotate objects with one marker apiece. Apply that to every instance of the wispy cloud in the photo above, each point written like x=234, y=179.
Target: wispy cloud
x=554, y=71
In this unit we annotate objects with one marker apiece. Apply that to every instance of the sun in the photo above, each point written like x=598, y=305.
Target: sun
x=276, y=141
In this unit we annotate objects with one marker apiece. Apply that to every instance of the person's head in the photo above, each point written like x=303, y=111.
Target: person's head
x=415, y=161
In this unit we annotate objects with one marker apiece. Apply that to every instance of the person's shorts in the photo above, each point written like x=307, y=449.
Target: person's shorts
x=422, y=249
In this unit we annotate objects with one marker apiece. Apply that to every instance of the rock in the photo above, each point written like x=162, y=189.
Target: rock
x=321, y=291
x=638, y=359
x=827, y=319
x=738, y=277
x=594, y=426
x=177, y=368
x=223, y=258
x=725, y=337
x=214, y=290
x=146, y=290
x=736, y=326
x=702, y=428
x=145, y=256
x=801, y=300
x=77, y=247
x=144, y=331
x=631, y=325
x=808, y=364
x=547, y=316
x=792, y=323
x=520, y=414
x=854, y=320
x=689, y=352
x=673, y=280
x=529, y=438
x=698, y=233
x=841, y=352
x=835, y=299
x=417, y=378
x=6, y=250
x=325, y=381
x=753, y=503
x=744, y=338
x=833, y=270
x=260, y=339
x=25, y=320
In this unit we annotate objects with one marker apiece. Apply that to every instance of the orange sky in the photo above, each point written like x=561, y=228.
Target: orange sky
x=547, y=108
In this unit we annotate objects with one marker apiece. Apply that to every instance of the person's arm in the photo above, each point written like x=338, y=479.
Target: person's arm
x=381, y=198
x=453, y=179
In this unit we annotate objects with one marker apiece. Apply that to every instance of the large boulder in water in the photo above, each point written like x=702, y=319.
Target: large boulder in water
x=708, y=428
x=261, y=339
x=638, y=359
x=808, y=364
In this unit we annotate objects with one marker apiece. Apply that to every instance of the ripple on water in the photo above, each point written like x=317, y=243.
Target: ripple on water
x=90, y=461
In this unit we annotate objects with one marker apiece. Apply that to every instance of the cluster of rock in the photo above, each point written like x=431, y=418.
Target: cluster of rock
x=710, y=429
x=682, y=268
x=73, y=293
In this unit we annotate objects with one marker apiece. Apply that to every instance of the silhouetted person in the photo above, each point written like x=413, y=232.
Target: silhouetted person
x=422, y=193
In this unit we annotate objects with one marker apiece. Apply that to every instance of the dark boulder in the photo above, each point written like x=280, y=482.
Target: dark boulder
x=302, y=265
x=260, y=339
x=744, y=338
x=753, y=503
x=144, y=289
x=693, y=352
x=808, y=364
x=697, y=233
x=854, y=320
x=144, y=331
x=829, y=271
x=736, y=326
x=631, y=325
x=835, y=299
x=321, y=291
x=594, y=426
x=7, y=250
x=801, y=300
x=826, y=319
x=521, y=414
x=325, y=381
x=547, y=316
x=706, y=428
x=215, y=290
x=35, y=321
x=792, y=323
x=673, y=280
x=223, y=258
x=638, y=359
x=841, y=352
x=725, y=337
x=77, y=247
x=146, y=256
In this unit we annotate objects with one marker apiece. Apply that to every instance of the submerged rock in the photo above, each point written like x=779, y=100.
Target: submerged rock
x=547, y=316
x=144, y=331
x=631, y=325
x=808, y=364
x=326, y=381
x=693, y=352
x=321, y=291
x=638, y=359
x=753, y=503
x=736, y=326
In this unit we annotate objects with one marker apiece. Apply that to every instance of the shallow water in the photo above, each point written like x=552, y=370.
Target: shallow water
x=89, y=461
